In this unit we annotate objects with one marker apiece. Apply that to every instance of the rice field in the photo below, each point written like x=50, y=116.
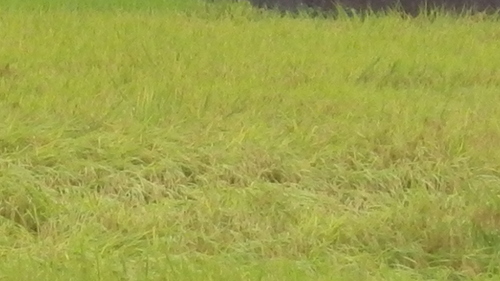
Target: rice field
x=176, y=140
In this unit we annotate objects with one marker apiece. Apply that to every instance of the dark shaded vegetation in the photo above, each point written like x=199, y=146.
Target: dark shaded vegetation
x=410, y=7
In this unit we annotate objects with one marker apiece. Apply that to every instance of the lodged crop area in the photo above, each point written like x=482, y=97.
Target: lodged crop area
x=183, y=141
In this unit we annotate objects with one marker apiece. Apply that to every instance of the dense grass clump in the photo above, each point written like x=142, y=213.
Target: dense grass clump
x=407, y=7
x=212, y=144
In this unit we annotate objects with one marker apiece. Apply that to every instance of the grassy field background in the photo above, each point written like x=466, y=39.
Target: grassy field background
x=171, y=141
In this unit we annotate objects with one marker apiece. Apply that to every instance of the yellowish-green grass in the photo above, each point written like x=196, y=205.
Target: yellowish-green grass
x=171, y=145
